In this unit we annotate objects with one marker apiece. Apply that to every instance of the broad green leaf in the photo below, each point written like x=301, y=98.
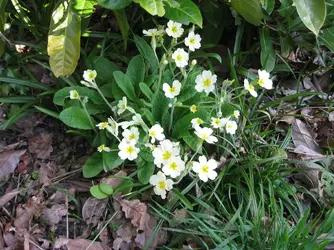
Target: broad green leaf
x=181, y=127
x=187, y=12
x=154, y=7
x=192, y=141
x=93, y=165
x=84, y=7
x=61, y=95
x=312, y=13
x=327, y=37
x=147, y=52
x=249, y=9
x=111, y=160
x=75, y=117
x=145, y=170
x=106, y=188
x=124, y=82
x=104, y=68
x=268, y=54
x=64, y=39
x=268, y=5
x=159, y=106
x=114, y=4
x=123, y=25
x=146, y=90
x=97, y=192
x=136, y=69
x=2, y=24
x=124, y=187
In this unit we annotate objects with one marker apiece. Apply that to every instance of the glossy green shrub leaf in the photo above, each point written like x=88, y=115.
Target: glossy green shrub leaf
x=154, y=7
x=2, y=24
x=327, y=37
x=124, y=82
x=268, y=54
x=250, y=10
x=123, y=25
x=186, y=12
x=75, y=117
x=312, y=13
x=64, y=39
x=114, y=4
x=147, y=52
x=63, y=94
x=93, y=165
x=97, y=192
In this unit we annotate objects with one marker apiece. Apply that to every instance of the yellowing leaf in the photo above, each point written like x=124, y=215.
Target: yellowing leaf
x=249, y=9
x=154, y=7
x=64, y=39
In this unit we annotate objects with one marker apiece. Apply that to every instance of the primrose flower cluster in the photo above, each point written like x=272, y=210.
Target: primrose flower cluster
x=171, y=160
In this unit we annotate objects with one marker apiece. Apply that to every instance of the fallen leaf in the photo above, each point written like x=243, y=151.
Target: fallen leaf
x=54, y=215
x=25, y=213
x=93, y=209
x=41, y=145
x=302, y=136
x=307, y=153
x=8, y=162
x=46, y=171
x=79, y=244
x=2, y=242
x=119, y=244
x=7, y=197
x=331, y=116
x=114, y=181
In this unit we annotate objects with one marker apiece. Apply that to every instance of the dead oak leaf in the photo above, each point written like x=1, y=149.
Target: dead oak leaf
x=93, y=209
x=41, y=145
x=302, y=136
x=79, y=244
x=54, y=215
x=8, y=196
x=8, y=162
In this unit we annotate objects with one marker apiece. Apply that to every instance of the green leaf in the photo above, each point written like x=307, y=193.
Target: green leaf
x=75, y=117
x=93, y=166
x=48, y=112
x=147, y=52
x=114, y=4
x=154, y=7
x=104, y=68
x=249, y=9
x=123, y=25
x=136, y=69
x=124, y=82
x=145, y=170
x=106, y=188
x=327, y=37
x=146, y=90
x=61, y=95
x=28, y=83
x=159, y=106
x=181, y=127
x=64, y=39
x=98, y=193
x=111, y=160
x=124, y=187
x=2, y=24
x=84, y=8
x=183, y=199
x=268, y=54
x=187, y=12
x=312, y=13
x=268, y=5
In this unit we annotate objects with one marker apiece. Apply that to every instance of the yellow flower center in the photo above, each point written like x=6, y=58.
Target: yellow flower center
x=130, y=150
x=192, y=41
x=205, y=169
x=193, y=108
x=75, y=95
x=172, y=89
x=251, y=87
x=162, y=184
x=207, y=82
x=198, y=121
x=166, y=155
x=179, y=58
x=123, y=106
x=204, y=136
x=173, y=166
x=261, y=82
x=217, y=121
x=91, y=75
x=103, y=125
x=101, y=147
x=174, y=29
x=152, y=133
x=132, y=137
x=229, y=126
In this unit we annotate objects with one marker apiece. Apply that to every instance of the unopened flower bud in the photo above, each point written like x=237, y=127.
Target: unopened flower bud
x=194, y=62
x=165, y=62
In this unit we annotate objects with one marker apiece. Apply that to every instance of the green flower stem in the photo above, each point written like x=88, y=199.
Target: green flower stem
x=171, y=118
x=259, y=99
x=88, y=115
x=106, y=101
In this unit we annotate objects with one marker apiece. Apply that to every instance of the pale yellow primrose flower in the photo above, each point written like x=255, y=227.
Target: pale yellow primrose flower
x=102, y=125
x=231, y=127
x=128, y=150
x=156, y=133
x=172, y=91
x=174, y=168
x=174, y=29
x=264, y=79
x=250, y=88
x=89, y=75
x=161, y=184
x=193, y=108
x=165, y=152
x=103, y=148
x=131, y=135
x=236, y=114
x=218, y=122
x=122, y=105
x=181, y=58
x=205, y=82
x=196, y=122
x=205, y=168
x=193, y=41
x=206, y=134
x=153, y=32
x=74, y=95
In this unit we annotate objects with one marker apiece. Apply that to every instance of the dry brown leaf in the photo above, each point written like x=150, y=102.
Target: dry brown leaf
x=54, y=215
x=114, y=181
x=289, y=118
x=302, y=136
x=93, y=209
x=307, y=153
x=8, y=162
x=7, y=197
x=46, y=171
x=26, y=212
x=119, y=244
x=10, y=239
x=143, y=237
x=41, y=145
x=2, y=242
x=79, y=244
